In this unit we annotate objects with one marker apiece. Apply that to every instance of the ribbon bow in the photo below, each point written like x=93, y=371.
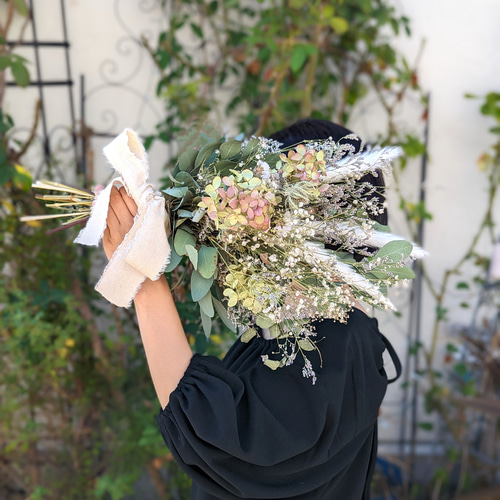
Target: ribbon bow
x=144, y=251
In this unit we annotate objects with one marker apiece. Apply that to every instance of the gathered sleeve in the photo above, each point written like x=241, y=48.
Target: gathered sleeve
x=245, y=431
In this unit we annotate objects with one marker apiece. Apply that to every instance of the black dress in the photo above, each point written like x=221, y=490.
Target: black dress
x=241, y=430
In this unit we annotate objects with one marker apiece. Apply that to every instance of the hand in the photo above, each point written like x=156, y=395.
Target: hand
x=121, y=213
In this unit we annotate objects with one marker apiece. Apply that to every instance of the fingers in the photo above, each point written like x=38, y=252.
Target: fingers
x=121, y=213
x=122, y=210
x=129, y=202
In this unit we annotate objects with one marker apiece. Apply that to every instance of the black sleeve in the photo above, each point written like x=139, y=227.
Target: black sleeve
x=228, y=429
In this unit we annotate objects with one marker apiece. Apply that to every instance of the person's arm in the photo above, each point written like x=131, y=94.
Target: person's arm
x=167, y=349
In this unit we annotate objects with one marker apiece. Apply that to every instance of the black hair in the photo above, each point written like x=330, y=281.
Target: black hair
x=310, y=129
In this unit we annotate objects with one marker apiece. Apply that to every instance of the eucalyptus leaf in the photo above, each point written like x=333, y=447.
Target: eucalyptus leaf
x=187, y=159
x=248, y=335
x=394, y=251
x=185, y=178
x=181, y=239
x=207, y=261
x=251, y=148
x=222, y=312
x=224, y=166
x=175, y=259
x=346, y=257
x=199, y=286
x=401, y=272
x=176, y=192
x=205, y=153
x=206, y=305
x=206, y=322
x=193, y=255
x=381, y=227
x=272, y=159
x=230, y=149
x=375, y=274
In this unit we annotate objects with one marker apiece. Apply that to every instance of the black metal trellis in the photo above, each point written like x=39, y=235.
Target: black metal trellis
x=41, y=83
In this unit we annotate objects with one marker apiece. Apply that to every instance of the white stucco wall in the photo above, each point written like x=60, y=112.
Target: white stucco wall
x=461, y=55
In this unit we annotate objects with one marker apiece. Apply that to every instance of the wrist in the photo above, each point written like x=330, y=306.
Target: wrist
x=150, y=288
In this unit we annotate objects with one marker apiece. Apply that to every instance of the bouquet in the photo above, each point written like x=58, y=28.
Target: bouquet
x=278, y=237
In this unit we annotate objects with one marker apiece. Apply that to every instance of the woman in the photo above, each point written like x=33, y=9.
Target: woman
x=241, y=430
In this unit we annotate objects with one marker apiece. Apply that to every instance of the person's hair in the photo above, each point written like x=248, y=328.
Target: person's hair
x=311, y=129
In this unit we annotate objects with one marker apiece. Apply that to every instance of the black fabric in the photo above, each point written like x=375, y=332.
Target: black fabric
x=241, y=430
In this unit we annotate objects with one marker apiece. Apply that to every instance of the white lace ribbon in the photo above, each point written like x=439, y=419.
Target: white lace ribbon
x=144, y=251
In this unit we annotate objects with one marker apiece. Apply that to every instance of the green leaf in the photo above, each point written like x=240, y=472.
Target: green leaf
x=272, y=363
x=206, y=305
x=298, y=58
x=181, y=239
x=414, y=348
x=463, y=285
x=197, y=30
x=21, y=7
x=426, y=426
x=339, y=25
x=6, y=172
x=192, y=254
x=251, y=148
x=461, y=370
x=441, y=313
x=185, y=178
x=20, y=73
x=306, y=345
x=382, y=228
x=375, y=274
x=263, y=321
x=205, y=153
x=187, y=159
x=199, y=286
x=230, y=149
x=175, y=258
x=222, y=312
x=21, y=178
x=394, y=251
x=224, y=166
x=5, y=62
x=248, y=335
x=176, y=192
x=206, y=322
x=403, y=273
x=207, y=261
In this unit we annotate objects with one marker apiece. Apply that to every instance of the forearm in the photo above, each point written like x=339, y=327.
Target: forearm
x=167, y=349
